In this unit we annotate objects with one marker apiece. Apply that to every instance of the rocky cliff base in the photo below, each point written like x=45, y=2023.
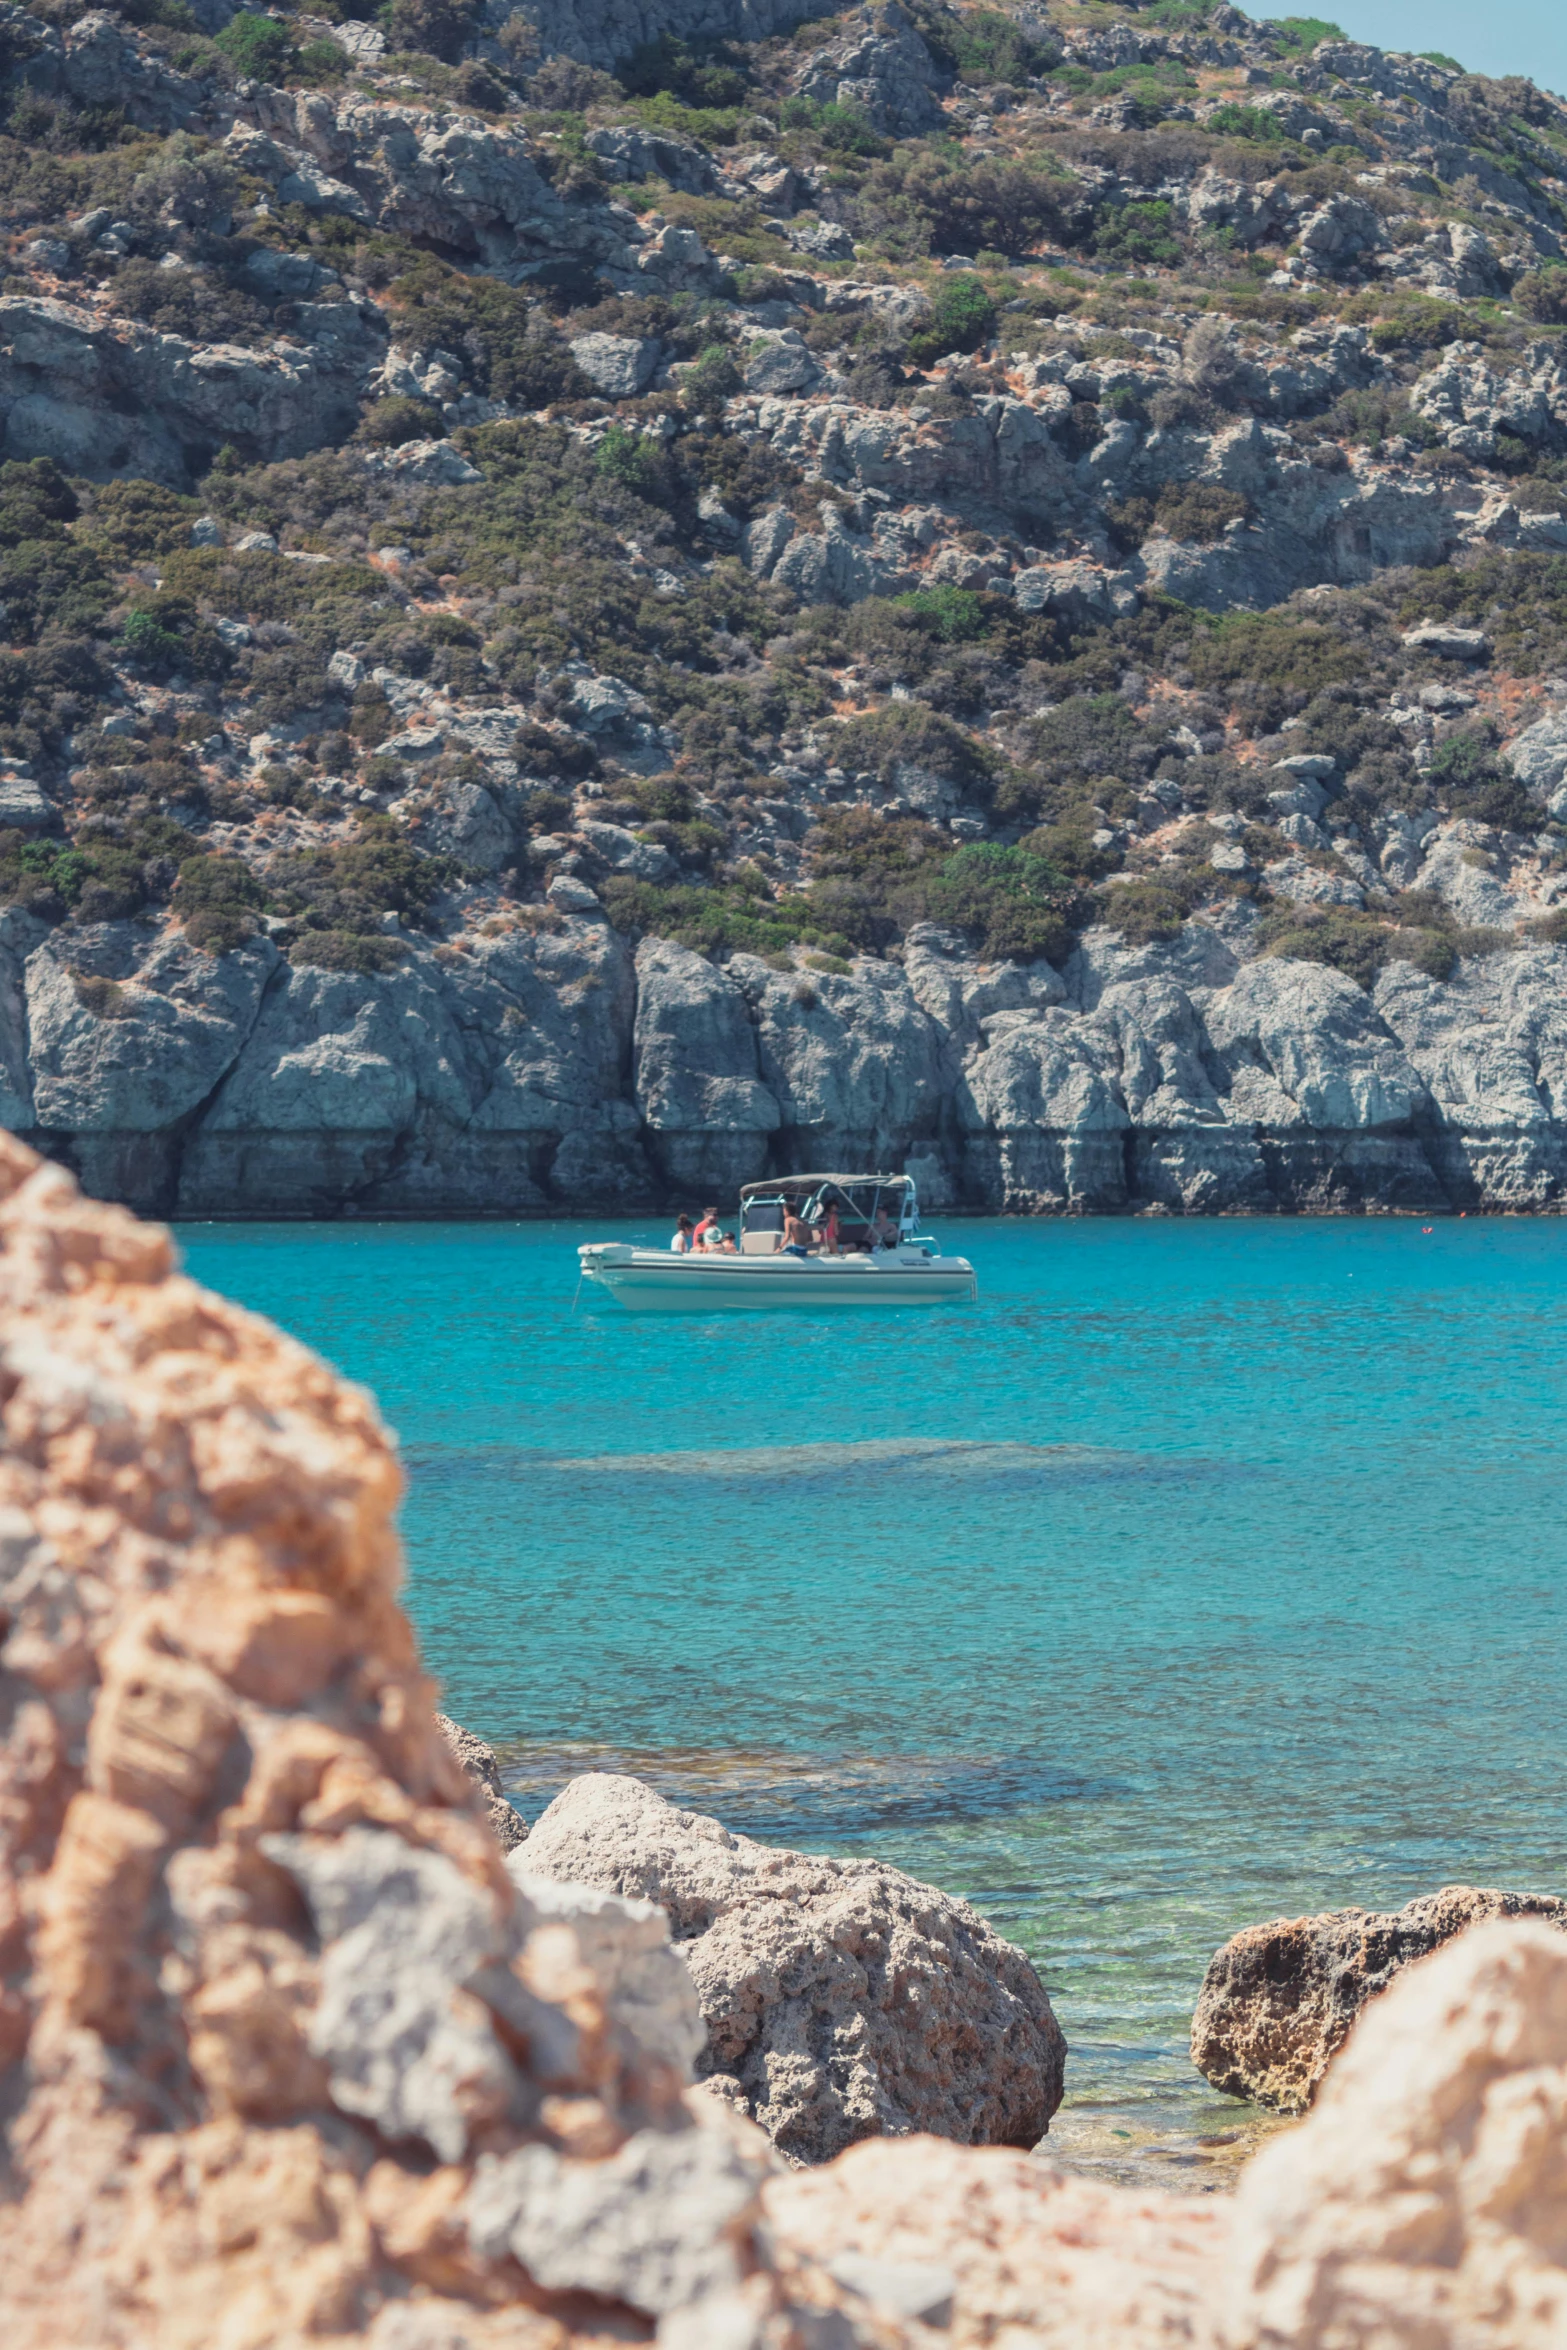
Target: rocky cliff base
x=559, y=1071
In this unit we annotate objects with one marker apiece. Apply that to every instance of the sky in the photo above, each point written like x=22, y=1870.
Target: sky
x=1506, y=36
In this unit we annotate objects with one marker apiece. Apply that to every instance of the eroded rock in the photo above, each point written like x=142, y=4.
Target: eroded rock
x=1422, y=2200
x=290, y=2055
x=842, y=1999
x=1278, y=2001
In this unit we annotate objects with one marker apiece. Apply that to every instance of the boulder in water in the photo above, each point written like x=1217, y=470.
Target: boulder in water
x=843, y=2000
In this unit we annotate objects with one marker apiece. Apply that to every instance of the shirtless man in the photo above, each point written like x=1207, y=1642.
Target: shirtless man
x=796, y=1235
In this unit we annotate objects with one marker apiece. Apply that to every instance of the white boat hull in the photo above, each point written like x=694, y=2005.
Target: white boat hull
x=653, y=1281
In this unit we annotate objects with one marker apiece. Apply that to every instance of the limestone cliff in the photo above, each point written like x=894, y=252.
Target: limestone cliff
x=600, y=601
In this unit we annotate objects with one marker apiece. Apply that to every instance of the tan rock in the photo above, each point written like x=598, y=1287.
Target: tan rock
x=1278, y=2000
x=290, y=2056
x=999, y=2248
x=1423, y=2204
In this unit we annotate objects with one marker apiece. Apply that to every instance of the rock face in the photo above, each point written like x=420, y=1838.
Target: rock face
x=506, y=1823
x=1278, y=2001
x=288, y=2053
x=842, y=1999
x=556, y=1070
x=1422, y=2201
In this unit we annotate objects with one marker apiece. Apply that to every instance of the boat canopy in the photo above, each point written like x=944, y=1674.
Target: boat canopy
x=809, y=1183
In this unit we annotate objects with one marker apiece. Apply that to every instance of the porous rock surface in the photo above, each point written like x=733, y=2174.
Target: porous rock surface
x=842, y=1999
x=1278, y=2001
x=1423, y=2201
x=479, y=1761
x=994, y=2247
x=288, y=2055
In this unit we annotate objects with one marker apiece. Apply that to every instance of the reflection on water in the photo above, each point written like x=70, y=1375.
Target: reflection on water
x=1195, y=1575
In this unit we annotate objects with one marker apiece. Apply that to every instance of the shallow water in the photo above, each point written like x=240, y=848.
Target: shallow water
x=1197, y=1574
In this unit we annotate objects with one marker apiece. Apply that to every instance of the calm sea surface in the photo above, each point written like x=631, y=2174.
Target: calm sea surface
x=1198, y=1574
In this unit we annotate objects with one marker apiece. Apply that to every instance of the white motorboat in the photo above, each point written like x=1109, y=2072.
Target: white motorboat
x=879, y=1256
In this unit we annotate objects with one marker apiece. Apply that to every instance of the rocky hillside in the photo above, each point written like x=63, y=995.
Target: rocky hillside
x=595, y=606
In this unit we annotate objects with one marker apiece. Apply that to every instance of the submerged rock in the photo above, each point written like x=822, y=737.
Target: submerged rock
x=842, y=1999
x=1278, y=2001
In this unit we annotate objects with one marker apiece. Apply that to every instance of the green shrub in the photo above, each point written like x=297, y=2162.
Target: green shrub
x=1360, y=945
x=217, y=899
x=1016, y=902
x=257, y=45
x=711, y=380
x=391, y=423
x=719, y=921
x=1198, y=511
x=956, y=615
x=908, y=735
x=1136, y=235
x=1304, y=32
x=346, y=950
x=986, y=46
x=841, y=129
x=939, y=201
x=1542, y=295
x=437, y=27
x=1232, y=121
x=502, y=334
x=338, y=894
x=132, y=521
x=632, y=463
x=699, y=73
x=1472, y=782
x=962, y=317
x=52, y=584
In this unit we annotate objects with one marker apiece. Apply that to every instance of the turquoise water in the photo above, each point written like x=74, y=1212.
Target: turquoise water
x=1198, y=1574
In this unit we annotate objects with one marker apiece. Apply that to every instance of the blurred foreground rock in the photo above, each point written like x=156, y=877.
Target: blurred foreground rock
x=1425, y=2200
x=843, y=2000
x=1278, y=2000
x=288, y=2054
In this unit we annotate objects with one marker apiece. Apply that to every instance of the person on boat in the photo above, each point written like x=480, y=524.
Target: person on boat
x=827, y=1231
x=681, y=1243
x=707, y=1233
x=796, y=1235
x=725, y=1244
x=884, y=1233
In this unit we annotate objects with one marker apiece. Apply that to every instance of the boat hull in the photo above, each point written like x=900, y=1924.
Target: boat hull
x=650, y=1282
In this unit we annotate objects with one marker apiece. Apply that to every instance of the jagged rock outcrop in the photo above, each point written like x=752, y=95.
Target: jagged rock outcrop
x=106, y=397
x=842, y=2000
x=1278, y=2001
x=507, y=1824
